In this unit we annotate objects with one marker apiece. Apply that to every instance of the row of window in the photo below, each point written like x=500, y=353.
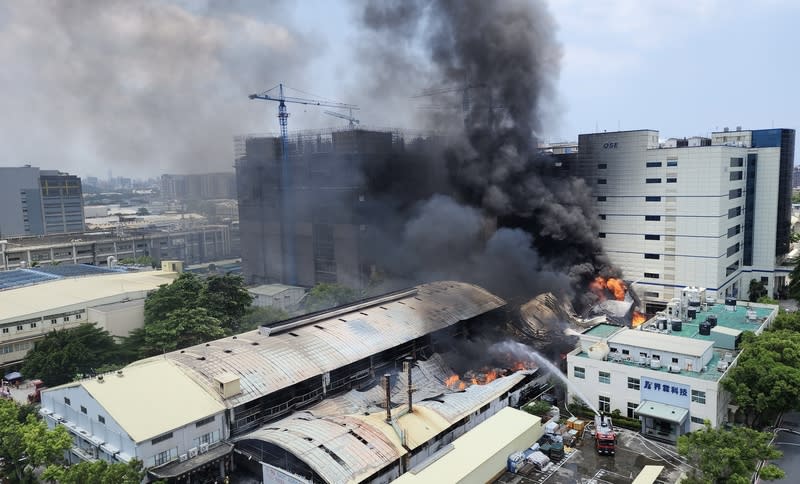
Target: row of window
x=35, y=324
x=13, y=348
x=604, y=181
x=633, y=383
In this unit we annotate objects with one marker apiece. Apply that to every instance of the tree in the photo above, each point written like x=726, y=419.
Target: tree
x=225, y=298
x=98, y=472
x=325, y=296
x=143, y=211
x=26, y=443
x=757, y=289
x=181, y=328
x=729, y=456
x=794, y=280
x=766, y=379
x=63, y=353
x=786, y=320
x=183, y=292
x=256, y=316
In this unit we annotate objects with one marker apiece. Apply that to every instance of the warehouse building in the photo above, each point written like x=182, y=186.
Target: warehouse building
x=317, y=376
x=34, y=302
x=667, y=371
x=713, y=212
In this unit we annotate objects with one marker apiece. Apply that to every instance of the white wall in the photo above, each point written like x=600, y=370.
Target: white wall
x=119, y=319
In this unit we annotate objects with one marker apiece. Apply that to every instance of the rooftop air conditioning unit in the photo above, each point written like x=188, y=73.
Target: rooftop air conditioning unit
x=655, y=363
x=674, y=369
x=193, y=452
x=203, y=448
x=183, y=457
x=722, y=366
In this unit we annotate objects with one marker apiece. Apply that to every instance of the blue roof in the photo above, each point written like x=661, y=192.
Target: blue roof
x=25, y=277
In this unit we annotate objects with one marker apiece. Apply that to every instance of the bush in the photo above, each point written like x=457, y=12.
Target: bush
x=538, y=408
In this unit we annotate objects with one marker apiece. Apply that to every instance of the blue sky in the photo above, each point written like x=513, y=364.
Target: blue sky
x=148, y=86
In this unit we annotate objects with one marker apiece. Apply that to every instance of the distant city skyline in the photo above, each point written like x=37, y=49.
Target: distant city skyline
x=689, y=68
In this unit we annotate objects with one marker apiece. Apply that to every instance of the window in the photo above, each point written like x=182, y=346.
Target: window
x=675, y=361
x=736, y=175
x=601, y=199
x=652, y=218
x=33, y=325
x=672, y=162
x=205, y=421
x=53, y=321
x=652, y=180
x=77, y=316
x=651, y=275
x=698, y=420
x=101, y=419
x=66, y=400
x=698, y=396
x=632, y=409
x=737, y=162
x=19, y=327
x=602, y=166
x=66, y=318
x=672, y=180
x=602, y=181
x=734, y=212
x=652, y=256
x=734, y=230
x=652, y=199
x=212, y=437
x=650, y=294
x=579, y=372
x=653, y=164
x=735, y=193
x=601, y=235
x=626, y=352
x=652, y=237
x=161, y=438
x=732, y=268
x=164, y=457
x=602, y=216
x=605, y=377
x=733, y=249
x=605, y=404
x=83, y=409
x=633, y=383
x=5, y=330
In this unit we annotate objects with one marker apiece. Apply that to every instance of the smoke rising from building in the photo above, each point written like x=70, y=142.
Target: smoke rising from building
x=545, y=237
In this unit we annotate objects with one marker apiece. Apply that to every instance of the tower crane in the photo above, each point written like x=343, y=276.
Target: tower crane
x=353, y=120
x=276, y=94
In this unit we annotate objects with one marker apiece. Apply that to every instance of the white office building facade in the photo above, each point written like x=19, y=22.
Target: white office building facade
x=710, y=212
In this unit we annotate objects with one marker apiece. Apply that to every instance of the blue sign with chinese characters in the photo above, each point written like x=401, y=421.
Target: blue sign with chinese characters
x=665, y=392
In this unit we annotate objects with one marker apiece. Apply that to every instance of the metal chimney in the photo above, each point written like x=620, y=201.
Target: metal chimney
x=387, y=385
x=407, y=368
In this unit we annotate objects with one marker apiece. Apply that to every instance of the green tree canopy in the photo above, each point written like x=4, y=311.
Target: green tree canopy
x=143, y=211
x=26, y=443
x=182, y=293
x=766, y=379
x=756, y=290
x=786, y=320
x=257, y=316
x=98, y=472
x=179, y=329
x=794, y=280
x=225, y=298
x=325, y=296
x=63, y=353
x=729, y=456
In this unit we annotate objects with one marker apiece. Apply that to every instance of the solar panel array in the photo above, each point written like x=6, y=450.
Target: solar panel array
x=25, y=277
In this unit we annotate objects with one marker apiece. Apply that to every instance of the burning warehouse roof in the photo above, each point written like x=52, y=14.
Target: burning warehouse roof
x=615, y=302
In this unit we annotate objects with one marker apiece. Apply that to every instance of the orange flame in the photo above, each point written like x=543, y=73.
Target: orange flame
x=490, y=376
x=638, y=319
x=462, y=385
x=451, y=380
x=600, y=286
x=618, y=287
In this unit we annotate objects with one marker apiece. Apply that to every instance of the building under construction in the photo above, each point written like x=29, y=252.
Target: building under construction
x=311, y=218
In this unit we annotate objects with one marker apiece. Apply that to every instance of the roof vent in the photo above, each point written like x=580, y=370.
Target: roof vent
x=100, y=378
x=119, y=373
x=228, y=384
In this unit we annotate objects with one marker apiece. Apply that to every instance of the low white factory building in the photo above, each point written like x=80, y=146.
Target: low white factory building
x=667, y=371
x=112, y=300
x=279, y=296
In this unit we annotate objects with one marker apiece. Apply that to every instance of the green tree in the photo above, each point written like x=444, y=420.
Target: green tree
x=26, y=443
x=225, y=298
x=325, y=296
x=794, y=280
x=63, y=353
x=98, y=472
x=539, y=408
x=786, y=320
x=183, y=292
x=181, y=328
x=766, y=379
x=756, y=290
x=143, y=211
x=729, y=456
x=257, y=316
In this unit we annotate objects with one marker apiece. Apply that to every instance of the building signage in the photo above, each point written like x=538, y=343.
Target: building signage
x=665, y=392
x=610, y=145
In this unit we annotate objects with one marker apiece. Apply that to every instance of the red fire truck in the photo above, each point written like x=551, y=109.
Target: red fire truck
x=605, y=439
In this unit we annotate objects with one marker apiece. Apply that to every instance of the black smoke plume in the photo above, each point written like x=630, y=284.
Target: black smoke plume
x=498, y=213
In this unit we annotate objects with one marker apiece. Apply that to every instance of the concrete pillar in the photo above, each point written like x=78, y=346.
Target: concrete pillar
x=52, y=255
x=28, y=255
x=74, y=254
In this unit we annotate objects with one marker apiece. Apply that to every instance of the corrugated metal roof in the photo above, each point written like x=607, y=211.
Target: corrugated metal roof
x=266, y=364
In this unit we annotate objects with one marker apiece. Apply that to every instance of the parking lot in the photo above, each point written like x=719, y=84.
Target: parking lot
x=584, y=465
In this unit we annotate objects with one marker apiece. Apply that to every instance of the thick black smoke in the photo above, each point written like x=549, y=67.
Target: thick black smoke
x=500, y=214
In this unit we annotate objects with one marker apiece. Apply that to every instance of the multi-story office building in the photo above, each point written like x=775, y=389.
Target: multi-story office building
x=709, y=212
x=205, y=186
x=39, y=202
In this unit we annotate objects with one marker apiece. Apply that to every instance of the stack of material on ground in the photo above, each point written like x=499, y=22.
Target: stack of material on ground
x=532, y=455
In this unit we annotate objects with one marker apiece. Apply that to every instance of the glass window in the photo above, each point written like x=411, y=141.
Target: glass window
x=672, y=162
x=66, y=318
x=734, y=212
x=735, y=193
x=652, y=199
x=77, y=316
x=604, y=404
x=602, y=216
x=737, y=162
x=605, y=377
x=652, y=180
x=672, y=180
x=652, y=237
x=83, y=409
x=19, y=327
x=601, y=235
x=579, y=372
x=736, y=175
x=632, y=409
x=698, y=420
x=626, y=352
x=602, y=181
x=602, y=166
x=652, y=256
x=698, y=396
x=652, y=218
x=101, y=419
x=733, y=249
x=601, y=199
x=66, y=400
x=653, y=164
x=734, y=230
x=651, y=275
x=161, y=438
x=33, y=325
x=633, y=383
x=5, y=330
